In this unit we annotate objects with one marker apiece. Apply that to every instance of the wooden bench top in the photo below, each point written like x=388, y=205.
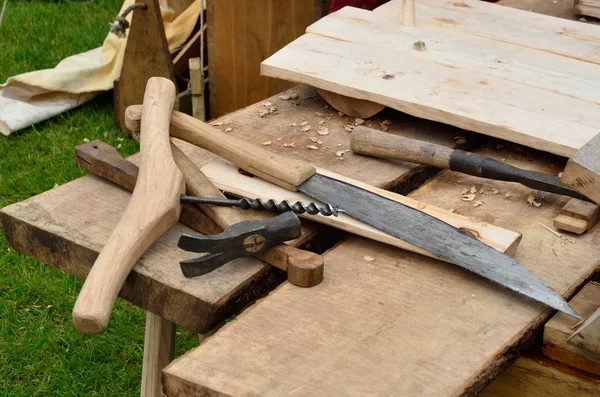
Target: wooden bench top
x=67, y=226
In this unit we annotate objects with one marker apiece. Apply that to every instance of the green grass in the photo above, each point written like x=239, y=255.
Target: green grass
x=41, y=353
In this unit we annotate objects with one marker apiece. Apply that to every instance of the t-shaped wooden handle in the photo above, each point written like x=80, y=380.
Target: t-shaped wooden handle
x=153, y=209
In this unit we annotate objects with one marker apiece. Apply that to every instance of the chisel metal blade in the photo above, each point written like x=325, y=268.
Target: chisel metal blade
x=435, y=236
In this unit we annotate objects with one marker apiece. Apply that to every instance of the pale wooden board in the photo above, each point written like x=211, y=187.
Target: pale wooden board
x=461, y=78
x=556, y=332
x=402, y=324
x=534, y=376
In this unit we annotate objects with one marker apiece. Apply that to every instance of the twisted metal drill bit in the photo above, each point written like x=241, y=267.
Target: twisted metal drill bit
x=269, y=205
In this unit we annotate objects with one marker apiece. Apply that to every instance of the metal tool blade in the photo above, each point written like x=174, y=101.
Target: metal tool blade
x=435, y=236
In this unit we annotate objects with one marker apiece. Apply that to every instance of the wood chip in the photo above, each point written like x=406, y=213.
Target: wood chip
x=340, y=114
x=468, y=197
x=263, y=113
x=279, y=139
x=319, y=114
x=339, y=153
x=384, y=125
x=288, y=95
x=477, y=203
x=349, y=128
x=369, y=258
x=320, y=142
x=465, y=191
x=267, y=143
x=473, y=189
x=323, y=131
x=321, y=122
x=218, y=123
x=313, y=139
x=306, y=128
x=289, y=144
x=304, y=122
x=294, y=125
x=531, y=200
x=495, y=191
x=312, y=147
x=358, y=121
x=460, y=140
x=228, y=129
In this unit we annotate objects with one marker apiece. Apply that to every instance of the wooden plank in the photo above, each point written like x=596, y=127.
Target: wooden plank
x=577, y=216
x=66, y=226
x=582, y=171
x=535, y=376
x=452, y=78
x=159, y=344
x=512, y=23
x=394, y=315
x=190, y=50
x=577, y=352
x=587, y=7
x=241, y=34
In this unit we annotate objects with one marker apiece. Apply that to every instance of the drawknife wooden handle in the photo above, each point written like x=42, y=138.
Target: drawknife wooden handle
x=381, y=144
x=280, y=170
x=305, y=269
x=153, y=209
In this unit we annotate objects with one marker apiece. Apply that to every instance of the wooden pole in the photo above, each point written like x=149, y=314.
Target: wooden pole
x=408, y=12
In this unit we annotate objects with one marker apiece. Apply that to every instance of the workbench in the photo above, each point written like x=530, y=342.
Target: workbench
x=393, y=322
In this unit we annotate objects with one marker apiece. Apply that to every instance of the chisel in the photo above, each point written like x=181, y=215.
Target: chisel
x=381, y=144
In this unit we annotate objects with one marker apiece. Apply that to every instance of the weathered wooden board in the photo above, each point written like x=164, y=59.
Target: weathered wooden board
x=400, y=324
x=241, y=34
x=574, y=352
x=67, y=226
x=587, y=7
x=535, y=376
x=448, y=74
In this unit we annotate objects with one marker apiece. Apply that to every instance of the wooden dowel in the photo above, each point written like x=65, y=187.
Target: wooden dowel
x=408, y=12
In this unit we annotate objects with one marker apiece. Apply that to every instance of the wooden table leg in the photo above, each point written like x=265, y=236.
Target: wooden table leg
x=159, y=342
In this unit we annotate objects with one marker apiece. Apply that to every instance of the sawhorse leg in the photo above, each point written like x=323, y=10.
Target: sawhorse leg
x=159, y=343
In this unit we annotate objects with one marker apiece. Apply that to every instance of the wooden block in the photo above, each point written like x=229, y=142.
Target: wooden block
x=582, y=171
x=581, y=353
x=197, y=88
x=535, y=376
x=147, y=55
x=577, y=216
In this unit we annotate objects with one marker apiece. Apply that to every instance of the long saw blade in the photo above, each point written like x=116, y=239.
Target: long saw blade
x=435, y=236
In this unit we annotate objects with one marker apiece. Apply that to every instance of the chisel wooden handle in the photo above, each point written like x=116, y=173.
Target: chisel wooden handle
x=277, y=169
x=381, y=144
x=305, y=269
x=153, y=209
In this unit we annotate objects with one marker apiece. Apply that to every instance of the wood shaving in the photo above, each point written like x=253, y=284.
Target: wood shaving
x=557, y=234
x=304, y=123
x=358, y=121
x=266, y=143
x=340, y=114
x=531, y=200
x=267, y=104
x=339, y=153
x=294, y=125
x=507, y=195
x=306, y=128
x=220, y=123
x=288, y=95
x=228, y=129
x=369, y=258
x=320, y=142
x=323, y=131
x=339, y=144
x=279, y=139
x=270, y=110
x=477, y=203
x=349, y=128
x=481, y=191
x=473, y=189
x=289, y=144
x=468, y=197
x=465, y=191
x=319, y=114
x=384, y=125
x=460, y=140
x=321, y=122
x=495, y=191
x=315, y=140
x=312, y=147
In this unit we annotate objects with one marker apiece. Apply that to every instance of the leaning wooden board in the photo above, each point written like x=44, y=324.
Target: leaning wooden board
x=396, y=323
x=509, y=83
x=67, y=226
